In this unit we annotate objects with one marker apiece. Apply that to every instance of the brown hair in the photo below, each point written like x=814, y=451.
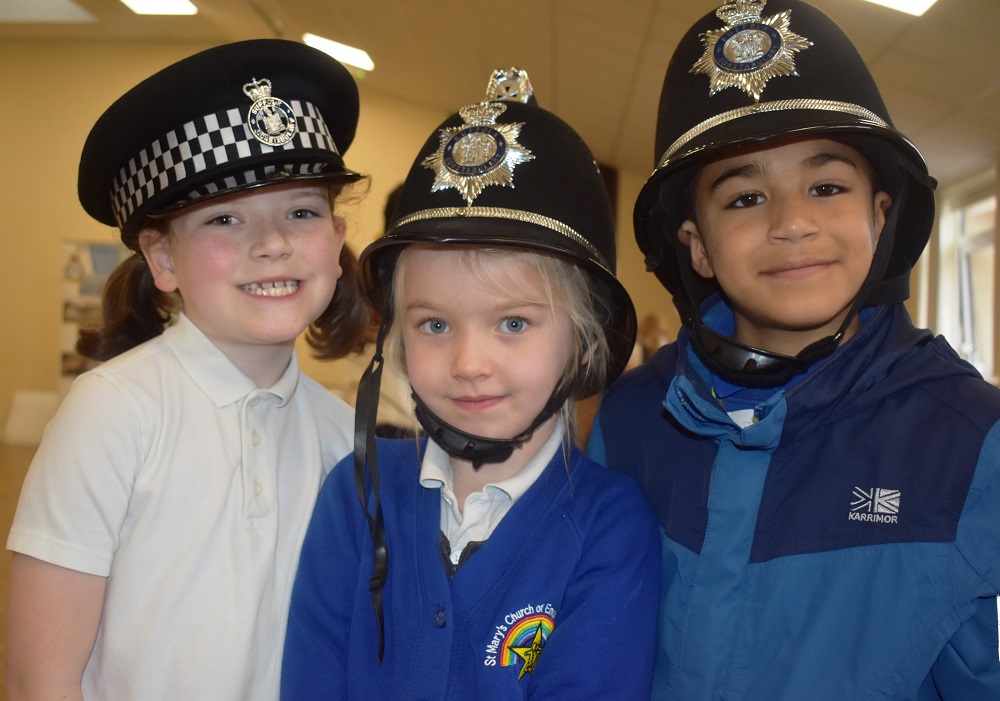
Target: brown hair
x=342, y=328
x=135, y=311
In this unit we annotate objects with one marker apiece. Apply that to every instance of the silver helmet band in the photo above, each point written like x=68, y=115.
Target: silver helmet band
x=865, y=115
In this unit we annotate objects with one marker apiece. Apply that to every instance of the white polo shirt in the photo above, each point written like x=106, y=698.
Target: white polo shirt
x=168, y=471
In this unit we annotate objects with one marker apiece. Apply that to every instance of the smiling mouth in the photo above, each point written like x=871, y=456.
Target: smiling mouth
x=476, y=403
x=281, y=288
x=798, y=269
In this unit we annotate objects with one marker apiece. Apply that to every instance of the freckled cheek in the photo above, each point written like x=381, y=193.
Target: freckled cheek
x=216, y=252
x=205, y=262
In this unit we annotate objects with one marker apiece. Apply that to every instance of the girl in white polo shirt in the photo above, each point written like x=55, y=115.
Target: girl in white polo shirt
x=159, y=526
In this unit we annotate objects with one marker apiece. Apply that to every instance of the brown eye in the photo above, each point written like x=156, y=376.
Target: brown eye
x=826, y=190
x=749, y=199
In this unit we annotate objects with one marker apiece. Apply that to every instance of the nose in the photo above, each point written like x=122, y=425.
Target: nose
x=793, y=218
x=470, y=358
x=270, y=241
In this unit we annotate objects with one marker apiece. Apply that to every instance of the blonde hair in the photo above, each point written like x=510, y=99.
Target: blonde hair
x=568, y=289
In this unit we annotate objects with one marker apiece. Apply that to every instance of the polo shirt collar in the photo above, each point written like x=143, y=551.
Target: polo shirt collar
x=214, y=373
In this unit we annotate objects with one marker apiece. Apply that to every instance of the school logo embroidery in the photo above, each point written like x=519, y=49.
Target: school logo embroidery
x=519, y=640
x=749, y=51
x=876, y=505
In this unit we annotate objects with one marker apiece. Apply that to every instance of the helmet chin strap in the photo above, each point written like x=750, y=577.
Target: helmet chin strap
x=478, y=449
x=366, y=473
x=747, y=366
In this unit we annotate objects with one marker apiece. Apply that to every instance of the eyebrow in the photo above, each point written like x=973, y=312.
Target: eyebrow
x=512, y=307
x=821, y=159
x=742, y=171
x=748, y=170
x=421, y=306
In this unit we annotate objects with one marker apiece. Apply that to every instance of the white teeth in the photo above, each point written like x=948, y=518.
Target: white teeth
x=272, y=289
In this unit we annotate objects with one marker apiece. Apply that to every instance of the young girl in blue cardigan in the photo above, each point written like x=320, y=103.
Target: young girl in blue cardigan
x=488, y=559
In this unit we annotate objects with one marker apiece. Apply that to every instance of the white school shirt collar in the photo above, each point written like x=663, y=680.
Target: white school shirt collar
x=436, y=471
x=214, y=373
x=482, y=510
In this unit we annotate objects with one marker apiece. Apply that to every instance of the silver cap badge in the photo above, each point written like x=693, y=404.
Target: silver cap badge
x=271, y=121
x=748, y=51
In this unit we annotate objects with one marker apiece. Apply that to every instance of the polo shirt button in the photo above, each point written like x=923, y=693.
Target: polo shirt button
x=440, y=618
x=255, y=438
x=258, y=488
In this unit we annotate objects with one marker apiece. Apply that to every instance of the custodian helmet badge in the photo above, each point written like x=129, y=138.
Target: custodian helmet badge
x=748, y=51
x=481, y=152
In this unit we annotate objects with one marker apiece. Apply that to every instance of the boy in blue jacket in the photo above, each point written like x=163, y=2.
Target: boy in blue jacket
x=826, y=476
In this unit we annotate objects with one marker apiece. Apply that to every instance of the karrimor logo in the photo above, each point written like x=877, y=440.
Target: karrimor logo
x=877, y=505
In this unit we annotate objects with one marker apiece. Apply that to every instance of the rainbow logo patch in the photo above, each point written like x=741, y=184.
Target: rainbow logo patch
x=525, y=640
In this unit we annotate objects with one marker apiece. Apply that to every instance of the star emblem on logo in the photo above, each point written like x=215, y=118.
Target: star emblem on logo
x=477, y=154
x=530, y=653
x=749, y=51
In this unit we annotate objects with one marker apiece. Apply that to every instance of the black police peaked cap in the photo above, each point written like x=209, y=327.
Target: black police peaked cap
x=758, y=71
x=505, y=172
x=224, y=120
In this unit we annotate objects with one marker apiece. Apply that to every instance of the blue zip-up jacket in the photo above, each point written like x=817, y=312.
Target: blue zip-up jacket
x=559, y=603
x=846, y=546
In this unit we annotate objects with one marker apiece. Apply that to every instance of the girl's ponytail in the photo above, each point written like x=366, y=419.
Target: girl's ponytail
x=134, y=311
x=347, y=322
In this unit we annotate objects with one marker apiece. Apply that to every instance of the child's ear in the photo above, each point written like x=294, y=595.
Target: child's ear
x=340, y=234
x=340, y=229
x=157, y=254
x=689, y=235
x=883, y=200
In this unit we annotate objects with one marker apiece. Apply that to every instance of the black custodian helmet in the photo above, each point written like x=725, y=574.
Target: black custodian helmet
x=505, y=172
x=226, y=119
x=748, y=74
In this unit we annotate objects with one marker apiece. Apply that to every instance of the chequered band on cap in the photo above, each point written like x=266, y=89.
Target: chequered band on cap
x=209, y=142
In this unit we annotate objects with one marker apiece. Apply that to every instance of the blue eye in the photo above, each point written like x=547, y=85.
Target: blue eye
x=513, y=324
x=433, y=326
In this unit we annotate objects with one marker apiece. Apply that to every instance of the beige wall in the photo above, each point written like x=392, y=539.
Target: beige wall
x=58, y=90
x=54, y=91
